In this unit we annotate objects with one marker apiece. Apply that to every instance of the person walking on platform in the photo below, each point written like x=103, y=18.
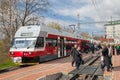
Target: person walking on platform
x=73, y=53
x=118, y=49
x=99, y=46
x=106, y=61
x=92, y=48
x=110, y=55
x=113, y=48
x=78, y=58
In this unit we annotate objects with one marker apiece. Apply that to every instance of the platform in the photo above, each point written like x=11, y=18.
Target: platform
x=34, y=72
x=115, y=73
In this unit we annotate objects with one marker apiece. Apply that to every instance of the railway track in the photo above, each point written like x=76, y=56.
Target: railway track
x=89, y=71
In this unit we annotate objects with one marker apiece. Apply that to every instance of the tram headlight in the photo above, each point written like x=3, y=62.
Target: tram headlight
x=12, y=53
x=30, y=52
x=25, y=53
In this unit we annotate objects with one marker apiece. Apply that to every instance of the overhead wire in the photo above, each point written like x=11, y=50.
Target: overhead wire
x=96, y=9
x=94, y=3
x=99, y=9
x=97, y=22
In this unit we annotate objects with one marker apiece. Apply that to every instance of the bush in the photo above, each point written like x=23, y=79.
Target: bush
x=5, y=60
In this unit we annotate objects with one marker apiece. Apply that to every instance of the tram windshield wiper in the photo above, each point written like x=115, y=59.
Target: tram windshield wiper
x=29, y=46
x=15, y=47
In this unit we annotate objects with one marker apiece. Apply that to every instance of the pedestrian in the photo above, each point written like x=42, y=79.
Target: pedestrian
x=99, y=46
x=110, y=54
x=117, y=49
x=113, y=49
x=102, y=62
x=73, y=53
x=78, y=57
x=92, y=48
x=106, y=62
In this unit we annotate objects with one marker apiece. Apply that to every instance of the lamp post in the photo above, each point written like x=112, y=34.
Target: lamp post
x=73, y=27
x=92, y=35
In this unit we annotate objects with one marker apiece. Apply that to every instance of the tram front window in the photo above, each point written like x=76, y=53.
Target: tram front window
x=40, y=42
x=24, y=43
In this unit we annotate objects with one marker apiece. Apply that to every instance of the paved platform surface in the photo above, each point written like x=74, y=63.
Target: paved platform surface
x=115, y=73
x=37, y=71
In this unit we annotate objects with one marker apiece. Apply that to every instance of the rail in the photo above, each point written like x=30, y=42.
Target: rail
x=89, y=71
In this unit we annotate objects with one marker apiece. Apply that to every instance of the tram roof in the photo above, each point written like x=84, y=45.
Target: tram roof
x=42, y=31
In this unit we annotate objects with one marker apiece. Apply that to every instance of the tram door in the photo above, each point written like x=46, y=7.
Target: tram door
x=60, y=47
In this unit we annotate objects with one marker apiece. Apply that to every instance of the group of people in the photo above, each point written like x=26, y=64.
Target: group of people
x=76, y=56
x=95, y=47
x=91, y=47
x=106, y=57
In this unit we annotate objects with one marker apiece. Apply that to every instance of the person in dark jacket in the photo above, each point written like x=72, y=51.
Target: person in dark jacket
x=106, y=61
x=92, y=48
x=73, y=53
x=78, y=57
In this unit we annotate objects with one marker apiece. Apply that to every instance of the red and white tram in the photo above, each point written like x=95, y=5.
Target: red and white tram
x=40, y=43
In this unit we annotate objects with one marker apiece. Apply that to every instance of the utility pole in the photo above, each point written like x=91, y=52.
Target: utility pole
x=105, y=36
x=78, y=22
x=92, y=37
x=112, y=24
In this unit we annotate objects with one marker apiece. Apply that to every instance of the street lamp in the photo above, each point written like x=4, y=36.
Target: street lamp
x=93, y=34
x=73, y=27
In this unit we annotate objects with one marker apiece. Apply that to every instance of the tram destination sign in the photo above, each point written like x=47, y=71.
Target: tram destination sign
x=27, y=34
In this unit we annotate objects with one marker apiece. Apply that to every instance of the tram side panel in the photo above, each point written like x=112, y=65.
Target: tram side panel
x=50, y=50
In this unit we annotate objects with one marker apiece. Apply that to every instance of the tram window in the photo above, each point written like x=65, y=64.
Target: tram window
x=68, y=47
x=40, y=42
x=54, y=42
x=51, y=42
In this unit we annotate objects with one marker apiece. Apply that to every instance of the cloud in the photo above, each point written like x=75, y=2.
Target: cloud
x=101, y=11
x=109, y=8
x=61, y=22
x=106, y=8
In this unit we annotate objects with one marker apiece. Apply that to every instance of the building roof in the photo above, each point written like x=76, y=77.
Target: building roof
x=106, y=39
x=117, y=22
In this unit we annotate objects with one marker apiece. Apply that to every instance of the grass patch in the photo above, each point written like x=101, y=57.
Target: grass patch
x=7, y=63
x=5, y=60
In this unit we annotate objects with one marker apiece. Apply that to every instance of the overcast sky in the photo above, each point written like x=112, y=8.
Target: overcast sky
x=65, y=12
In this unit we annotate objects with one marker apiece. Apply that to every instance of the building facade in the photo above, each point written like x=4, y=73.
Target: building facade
x=112, y=30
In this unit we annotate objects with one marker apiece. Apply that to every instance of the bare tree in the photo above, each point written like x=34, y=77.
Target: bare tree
x=31, y=10
x=5, y=19
x=15, y=13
